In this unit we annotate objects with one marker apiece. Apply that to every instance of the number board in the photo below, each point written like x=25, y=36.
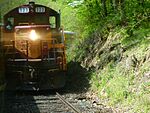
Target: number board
x=40, y=9
x=24, y=10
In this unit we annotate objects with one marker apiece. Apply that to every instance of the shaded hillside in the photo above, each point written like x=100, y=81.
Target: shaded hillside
x=121, y=67
x=115, y=48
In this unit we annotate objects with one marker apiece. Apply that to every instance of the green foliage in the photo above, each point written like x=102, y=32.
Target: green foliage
x=112, y=84
x=129, y=13
x=10, y=4
x=118, y=77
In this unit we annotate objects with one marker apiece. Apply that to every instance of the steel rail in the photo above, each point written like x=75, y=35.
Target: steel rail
x=67, y=103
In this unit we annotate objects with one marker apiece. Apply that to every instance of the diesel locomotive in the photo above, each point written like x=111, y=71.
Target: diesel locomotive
x=34, y=48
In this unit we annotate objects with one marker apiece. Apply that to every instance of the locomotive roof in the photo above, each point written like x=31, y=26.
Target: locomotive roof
x=49, y=11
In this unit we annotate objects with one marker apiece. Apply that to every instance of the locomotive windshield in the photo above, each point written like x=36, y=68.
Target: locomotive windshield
x=10, y=23
x=39, y=19
x=32, y=14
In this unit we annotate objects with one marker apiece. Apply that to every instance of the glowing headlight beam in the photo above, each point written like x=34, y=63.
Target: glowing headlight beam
x=33, y=36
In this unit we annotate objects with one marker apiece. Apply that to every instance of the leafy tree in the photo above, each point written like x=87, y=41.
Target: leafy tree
x=99, y=14
x=104, y=7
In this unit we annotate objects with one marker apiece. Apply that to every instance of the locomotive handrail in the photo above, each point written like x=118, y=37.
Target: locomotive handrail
x=29, y=59
x=31, y=26
x=58, y=46
x=63, y=35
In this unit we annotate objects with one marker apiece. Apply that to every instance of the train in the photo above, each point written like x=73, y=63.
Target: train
x=34, y=48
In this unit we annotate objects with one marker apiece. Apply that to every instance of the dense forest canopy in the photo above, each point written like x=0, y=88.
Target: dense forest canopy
x=110, y=13
x=88, y=15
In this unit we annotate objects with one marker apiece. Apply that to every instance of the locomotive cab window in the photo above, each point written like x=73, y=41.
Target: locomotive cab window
x=9, y=24
x=52, y=20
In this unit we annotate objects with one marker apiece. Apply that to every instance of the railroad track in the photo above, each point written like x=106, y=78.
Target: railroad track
x=68, y=103
x=50, y=103
x=24, y=103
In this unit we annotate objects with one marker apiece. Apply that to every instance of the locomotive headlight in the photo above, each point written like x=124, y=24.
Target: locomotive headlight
x=33, y=36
